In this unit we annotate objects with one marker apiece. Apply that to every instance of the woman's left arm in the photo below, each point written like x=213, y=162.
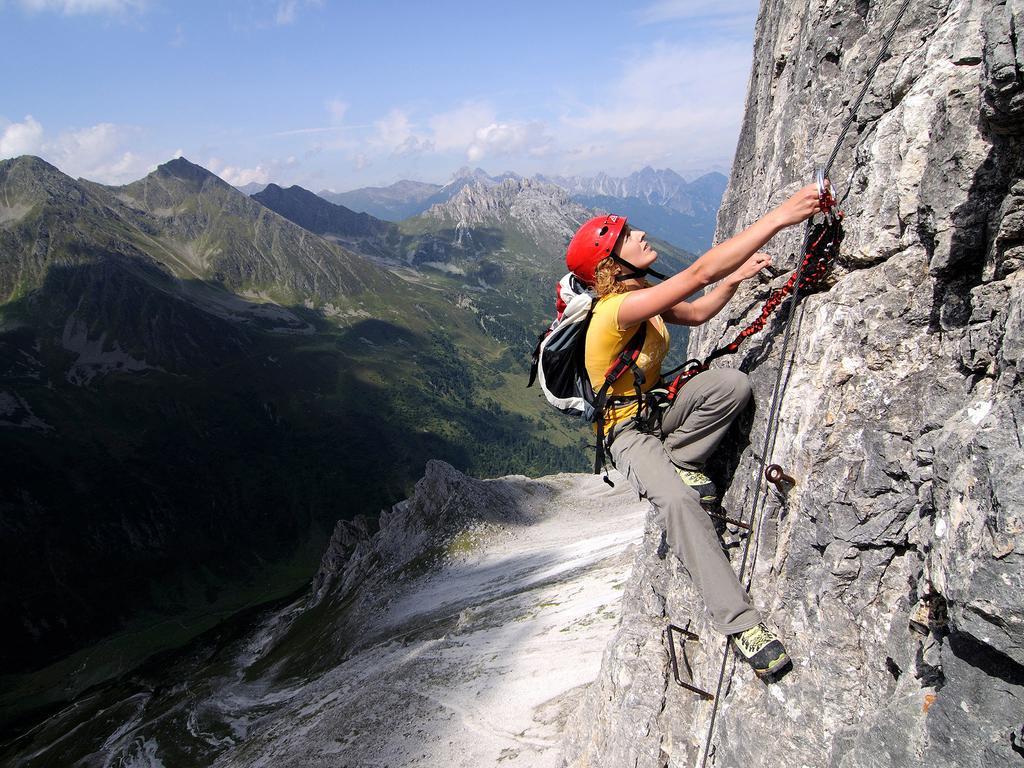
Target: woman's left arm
x=711, y=303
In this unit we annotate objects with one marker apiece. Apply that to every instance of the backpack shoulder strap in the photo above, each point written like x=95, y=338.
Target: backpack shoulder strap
x=626, y=361
x=627, y=358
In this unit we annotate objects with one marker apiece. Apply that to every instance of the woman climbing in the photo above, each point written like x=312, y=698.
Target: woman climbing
x=666, y=464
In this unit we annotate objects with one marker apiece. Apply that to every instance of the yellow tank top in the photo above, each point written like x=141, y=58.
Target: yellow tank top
x=605, y=340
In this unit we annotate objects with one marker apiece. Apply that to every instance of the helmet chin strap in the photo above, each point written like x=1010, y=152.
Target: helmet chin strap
x=637, y=271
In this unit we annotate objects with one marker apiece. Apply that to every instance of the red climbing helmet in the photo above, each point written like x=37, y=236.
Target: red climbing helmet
x=593, y=242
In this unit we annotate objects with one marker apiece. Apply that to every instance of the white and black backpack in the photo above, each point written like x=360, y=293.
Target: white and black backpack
x=559, y=362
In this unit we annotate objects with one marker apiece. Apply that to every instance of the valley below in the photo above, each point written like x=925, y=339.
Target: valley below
x=462, y=633
x=197, y=385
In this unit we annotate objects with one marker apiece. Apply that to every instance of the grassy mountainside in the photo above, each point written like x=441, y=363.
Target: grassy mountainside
x=192, y=391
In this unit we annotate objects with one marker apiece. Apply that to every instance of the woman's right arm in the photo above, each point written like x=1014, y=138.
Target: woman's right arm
x=720, y=261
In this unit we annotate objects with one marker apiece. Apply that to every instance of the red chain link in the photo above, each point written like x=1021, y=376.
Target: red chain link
x=821, y=252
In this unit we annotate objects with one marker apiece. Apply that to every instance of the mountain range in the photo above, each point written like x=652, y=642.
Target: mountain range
x=498, y=243
x=193, y=389
x=671, y=208
x=890, y=559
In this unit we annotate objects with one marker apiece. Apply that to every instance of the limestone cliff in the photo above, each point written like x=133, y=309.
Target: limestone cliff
x=893, y=567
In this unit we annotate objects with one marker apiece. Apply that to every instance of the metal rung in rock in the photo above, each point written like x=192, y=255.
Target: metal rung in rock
x=687, y=635
x=731, y=520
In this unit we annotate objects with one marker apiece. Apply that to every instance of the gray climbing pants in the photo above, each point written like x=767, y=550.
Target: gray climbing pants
x=691, y=429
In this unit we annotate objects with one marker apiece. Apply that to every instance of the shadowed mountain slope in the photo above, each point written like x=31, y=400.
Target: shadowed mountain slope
x=192, y=391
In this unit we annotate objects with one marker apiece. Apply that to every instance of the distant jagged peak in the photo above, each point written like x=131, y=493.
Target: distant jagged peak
x=185, y=170
x=544, y=212
x=402, y=187
x=480, y=200
x=27, y=180
x=251, y=188
x=635, y=184
x=507, y=175
x=312, y=212
x=661, y=187
x=710, y=176
x=715, y=180
x=29, y=163
x=408, y=185
x=466, y=175
x=294, y=190
x=273, y=194
x=471, y=174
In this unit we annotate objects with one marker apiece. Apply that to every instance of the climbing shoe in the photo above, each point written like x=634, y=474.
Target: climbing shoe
x=762, y=649
x=702, y=484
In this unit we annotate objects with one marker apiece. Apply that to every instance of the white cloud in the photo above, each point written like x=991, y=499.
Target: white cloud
x=281, y=171
x=669, y=10
x=394, y=134
x=471, y=130
x=287, y=10
x=337, y=108
x=98, y=152
x=239, y=177
x=677, y=106
x=24, y=138
x=97, y=142
x=674, y=105
x=457, y=128
x=80, y=7
x=498, y=139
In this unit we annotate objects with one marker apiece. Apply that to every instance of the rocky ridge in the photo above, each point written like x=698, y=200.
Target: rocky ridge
x=314, y=213
x=211, y=229
x=544, y=212
x=893, y=567
x=391, y=203
x=663, y=187
x=460, y=632
x=359, y=233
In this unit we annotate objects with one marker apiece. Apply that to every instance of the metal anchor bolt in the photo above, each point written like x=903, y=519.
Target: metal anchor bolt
x=773, y=474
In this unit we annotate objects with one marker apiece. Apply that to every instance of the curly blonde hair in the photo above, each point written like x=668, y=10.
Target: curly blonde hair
x=604, y=279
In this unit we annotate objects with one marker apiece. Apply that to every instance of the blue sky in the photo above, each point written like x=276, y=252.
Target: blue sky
x=338, y=94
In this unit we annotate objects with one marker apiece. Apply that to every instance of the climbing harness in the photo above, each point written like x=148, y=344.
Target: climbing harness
x=812, y=234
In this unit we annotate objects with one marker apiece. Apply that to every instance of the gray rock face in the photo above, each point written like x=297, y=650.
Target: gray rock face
x=543, y=212
x=893, y=567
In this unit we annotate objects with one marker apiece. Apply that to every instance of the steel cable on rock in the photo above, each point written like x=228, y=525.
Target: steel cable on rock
x=772, y=423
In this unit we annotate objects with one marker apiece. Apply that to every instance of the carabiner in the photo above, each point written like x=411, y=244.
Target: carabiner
x=826, y=193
